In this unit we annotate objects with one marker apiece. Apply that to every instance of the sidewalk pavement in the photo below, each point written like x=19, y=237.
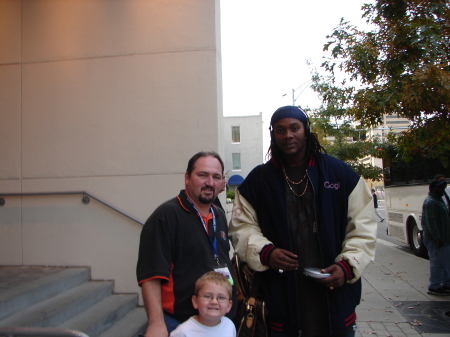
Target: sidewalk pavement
x=398, y=282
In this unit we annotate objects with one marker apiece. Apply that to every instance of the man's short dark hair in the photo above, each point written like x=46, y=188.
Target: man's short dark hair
x=201, y=154
x=437, y=176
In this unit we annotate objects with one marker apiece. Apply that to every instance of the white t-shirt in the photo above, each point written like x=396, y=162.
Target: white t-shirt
x=192, y=328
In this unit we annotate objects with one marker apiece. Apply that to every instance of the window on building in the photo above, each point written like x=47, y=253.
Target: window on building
x=236, y=161
x=235, y=134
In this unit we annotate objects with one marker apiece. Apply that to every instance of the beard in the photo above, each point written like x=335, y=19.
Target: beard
x=206, y=199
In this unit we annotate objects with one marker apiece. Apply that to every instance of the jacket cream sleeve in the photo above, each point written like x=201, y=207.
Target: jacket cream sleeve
x=360, y=239
x=246, y=234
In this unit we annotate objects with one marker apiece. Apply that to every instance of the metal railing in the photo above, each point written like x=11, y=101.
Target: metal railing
x=86, y=199
x=40, y=332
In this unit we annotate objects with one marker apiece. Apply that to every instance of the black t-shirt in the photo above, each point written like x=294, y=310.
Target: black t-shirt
x=175, y=248
x=312, y=297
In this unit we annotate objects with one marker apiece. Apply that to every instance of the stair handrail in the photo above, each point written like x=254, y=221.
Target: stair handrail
x=85, y=199
x=44, y=332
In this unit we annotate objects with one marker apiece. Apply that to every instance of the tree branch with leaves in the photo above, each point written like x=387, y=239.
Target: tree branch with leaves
x=400, y=67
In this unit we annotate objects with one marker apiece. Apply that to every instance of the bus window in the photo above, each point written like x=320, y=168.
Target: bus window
x=406, y=187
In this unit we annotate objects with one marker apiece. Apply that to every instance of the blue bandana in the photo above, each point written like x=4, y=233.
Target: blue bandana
x=289, y=111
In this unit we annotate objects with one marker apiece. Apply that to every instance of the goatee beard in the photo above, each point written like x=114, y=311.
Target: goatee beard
x=206, y=200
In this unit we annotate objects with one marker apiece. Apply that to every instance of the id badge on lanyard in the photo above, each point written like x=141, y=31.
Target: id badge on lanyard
x=221, y=268
x=225, y=272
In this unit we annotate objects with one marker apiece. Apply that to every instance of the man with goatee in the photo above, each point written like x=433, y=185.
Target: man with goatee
x=183, y=239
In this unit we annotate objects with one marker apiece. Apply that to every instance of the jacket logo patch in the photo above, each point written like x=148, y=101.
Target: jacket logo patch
x=237, y=212
x=335, y=186
x=222, y=235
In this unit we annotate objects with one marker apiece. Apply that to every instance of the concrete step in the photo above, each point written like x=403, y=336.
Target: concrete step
x=60, y=308
x=131, y=325
x=66, y=298
x=102, y=315
x=22, y=287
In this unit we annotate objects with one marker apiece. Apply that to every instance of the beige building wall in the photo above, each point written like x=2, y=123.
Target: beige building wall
x=108, y=97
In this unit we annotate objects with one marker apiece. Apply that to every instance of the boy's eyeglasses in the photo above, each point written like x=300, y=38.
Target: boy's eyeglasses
x=209, y=298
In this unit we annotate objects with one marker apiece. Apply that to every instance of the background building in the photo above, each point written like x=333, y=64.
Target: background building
x=106, y=97
x=243, y=143
x=392, y=123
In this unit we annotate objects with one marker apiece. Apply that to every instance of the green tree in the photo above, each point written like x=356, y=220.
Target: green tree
x=349, y=140
x=400, y=67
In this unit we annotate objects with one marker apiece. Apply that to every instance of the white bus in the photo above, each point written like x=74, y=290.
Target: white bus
x=406, y=187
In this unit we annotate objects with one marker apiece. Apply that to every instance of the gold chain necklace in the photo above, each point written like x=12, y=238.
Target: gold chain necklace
x=290, y=187
x=293, y=182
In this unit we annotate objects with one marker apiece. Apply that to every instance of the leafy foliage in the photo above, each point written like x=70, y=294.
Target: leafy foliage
x=231, y=194
x=334, y=119
x=401, y=67
x=349, y=144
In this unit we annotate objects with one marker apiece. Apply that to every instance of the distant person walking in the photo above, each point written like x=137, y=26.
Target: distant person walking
x=375, y=205
x=436, y=237
x=446, y=196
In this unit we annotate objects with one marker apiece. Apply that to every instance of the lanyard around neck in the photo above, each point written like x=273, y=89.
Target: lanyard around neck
x=214, y=242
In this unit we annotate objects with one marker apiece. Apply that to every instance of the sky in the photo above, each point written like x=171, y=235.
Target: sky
x=265, y=47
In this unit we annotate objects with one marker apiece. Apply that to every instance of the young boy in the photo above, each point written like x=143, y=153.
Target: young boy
x=212, y=299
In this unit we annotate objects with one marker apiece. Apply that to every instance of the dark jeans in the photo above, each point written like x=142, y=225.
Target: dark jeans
x=171, y=323
x=439, y=264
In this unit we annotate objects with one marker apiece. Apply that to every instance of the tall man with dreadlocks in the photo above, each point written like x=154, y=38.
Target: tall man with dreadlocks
x=305, y=209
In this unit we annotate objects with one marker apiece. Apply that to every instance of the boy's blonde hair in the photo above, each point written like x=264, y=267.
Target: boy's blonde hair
x=213, y=277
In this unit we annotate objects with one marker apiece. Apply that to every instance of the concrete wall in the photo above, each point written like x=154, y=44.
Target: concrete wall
x=62, y=231
x=109, y=97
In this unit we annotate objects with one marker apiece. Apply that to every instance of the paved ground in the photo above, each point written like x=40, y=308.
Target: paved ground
x=397, y=281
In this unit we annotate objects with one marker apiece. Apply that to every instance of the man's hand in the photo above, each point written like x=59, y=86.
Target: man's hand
x=156, y=330
x=283, y=260
x=336, y=279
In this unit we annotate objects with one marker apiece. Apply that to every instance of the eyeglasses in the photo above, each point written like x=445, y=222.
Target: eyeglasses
x=209, y=298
